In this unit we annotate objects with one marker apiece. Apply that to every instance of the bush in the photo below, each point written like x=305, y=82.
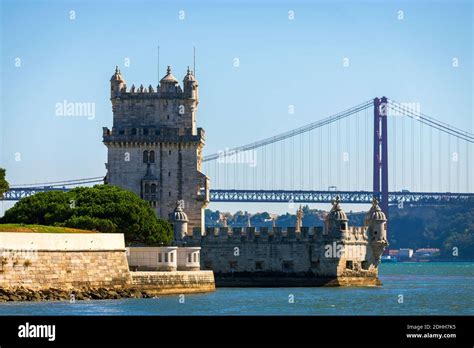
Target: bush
x=103, y=208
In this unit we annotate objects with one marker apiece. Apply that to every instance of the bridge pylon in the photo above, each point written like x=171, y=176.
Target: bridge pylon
x=380, y=160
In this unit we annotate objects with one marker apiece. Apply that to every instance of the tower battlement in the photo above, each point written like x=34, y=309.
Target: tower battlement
x=168, y=87
x=151, y=93
x=275, y=234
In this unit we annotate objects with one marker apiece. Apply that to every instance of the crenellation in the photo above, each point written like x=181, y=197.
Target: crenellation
x=237, y=232
x=277, y=234
x=250, y=234
x=224, y=233
x=304, y=234
x=291, y=233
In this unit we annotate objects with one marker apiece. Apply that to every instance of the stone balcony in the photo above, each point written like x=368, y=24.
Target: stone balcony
x=152, y=135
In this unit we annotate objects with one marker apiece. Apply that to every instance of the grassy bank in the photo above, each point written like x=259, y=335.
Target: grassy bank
x=39, y=229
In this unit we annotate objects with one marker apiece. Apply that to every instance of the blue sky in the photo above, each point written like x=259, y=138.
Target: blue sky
x=282, y=62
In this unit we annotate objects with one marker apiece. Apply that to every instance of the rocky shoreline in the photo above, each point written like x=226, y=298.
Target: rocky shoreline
x=53, y=294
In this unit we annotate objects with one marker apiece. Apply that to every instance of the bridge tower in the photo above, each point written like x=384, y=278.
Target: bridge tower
x=380, y=165
x=154, y=148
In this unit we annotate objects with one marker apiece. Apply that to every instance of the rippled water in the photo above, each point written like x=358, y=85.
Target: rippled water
x=426, y=288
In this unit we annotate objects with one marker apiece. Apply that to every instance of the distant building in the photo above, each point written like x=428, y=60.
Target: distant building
x=426, y=253
x=405, y=254
x=393, y=252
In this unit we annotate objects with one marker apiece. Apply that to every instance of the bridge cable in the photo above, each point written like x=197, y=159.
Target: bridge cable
x=292, y=133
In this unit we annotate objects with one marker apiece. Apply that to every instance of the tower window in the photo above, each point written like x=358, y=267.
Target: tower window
x=134, y=131
x=147, y=188
x=169, y=194
x=152, y=156
x=145, y=131
x=153, y=188
x=169, y=173
x=145, y=156
x=169, y=152
x=168, y=117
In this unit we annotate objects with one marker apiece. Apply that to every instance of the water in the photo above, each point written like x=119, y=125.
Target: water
x=427, y=289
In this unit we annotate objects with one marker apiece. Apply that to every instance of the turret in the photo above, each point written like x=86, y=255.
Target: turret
x=117, y=84
x=180, y=222
x=376, y=221
x=336, y=221
x=168, y=82
x=190, y=86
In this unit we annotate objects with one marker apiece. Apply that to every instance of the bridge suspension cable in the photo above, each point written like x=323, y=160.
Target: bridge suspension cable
x=430, y=121
x=294, y=132
x=63, y=182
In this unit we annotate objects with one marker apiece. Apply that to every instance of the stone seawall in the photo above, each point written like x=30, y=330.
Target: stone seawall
x=65, y=270
x=48, y=266
x=174, y=282
x=63, y=261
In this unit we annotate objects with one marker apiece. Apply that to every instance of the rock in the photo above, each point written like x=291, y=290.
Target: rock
x=95, y=295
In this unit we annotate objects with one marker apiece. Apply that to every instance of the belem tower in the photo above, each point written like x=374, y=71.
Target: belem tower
x=155, y=147
x=155, y=151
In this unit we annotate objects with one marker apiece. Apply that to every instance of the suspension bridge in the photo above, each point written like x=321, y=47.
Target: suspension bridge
x=346, y=154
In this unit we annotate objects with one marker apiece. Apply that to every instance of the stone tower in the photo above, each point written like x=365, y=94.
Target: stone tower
x=155, y=147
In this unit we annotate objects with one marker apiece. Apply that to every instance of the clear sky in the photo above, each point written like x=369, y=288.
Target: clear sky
x=410, y=51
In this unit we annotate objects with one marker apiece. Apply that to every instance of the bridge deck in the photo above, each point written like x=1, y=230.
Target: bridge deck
x=289, y=196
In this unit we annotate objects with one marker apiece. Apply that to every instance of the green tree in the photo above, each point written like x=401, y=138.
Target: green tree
x=4, y=187
x=102, y=208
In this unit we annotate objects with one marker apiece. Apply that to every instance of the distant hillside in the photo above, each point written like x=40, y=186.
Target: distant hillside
x=443, y=227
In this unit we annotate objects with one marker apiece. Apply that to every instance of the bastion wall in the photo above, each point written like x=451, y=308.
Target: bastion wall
x=50, y=260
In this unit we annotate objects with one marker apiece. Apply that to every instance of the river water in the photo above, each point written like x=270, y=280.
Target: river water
x=408, y=289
